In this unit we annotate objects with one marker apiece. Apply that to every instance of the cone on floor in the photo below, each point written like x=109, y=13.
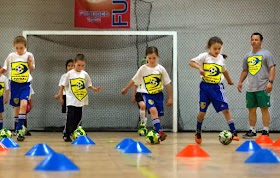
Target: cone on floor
x=192, y=150
x=264, y=139
x=263, y=156
x=249, y=146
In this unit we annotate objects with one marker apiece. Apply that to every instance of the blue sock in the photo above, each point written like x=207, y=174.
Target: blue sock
x=21, y=119
x=231, y=126
x=1, y=124
x=156, y=123
x=15, y=121
x=198, y=125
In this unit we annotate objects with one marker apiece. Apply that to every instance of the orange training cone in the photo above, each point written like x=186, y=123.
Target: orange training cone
x=264, y=139
x=277, y=143
x=3, y=147
x=192, y=150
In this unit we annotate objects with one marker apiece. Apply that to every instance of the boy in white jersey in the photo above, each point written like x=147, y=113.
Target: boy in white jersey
x=259, y=66
x=4, y=96
x=153, y=76
x=19, y=65
x=76, y=83
x=211, y=66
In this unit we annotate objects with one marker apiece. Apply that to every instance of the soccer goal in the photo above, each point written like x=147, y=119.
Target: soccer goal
x=112, y=60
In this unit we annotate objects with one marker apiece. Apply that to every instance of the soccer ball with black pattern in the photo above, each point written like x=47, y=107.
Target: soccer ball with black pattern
x=5, y=133
x=152, y=137
x=225, y=137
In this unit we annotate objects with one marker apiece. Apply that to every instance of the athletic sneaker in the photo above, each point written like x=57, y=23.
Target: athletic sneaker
x=142, y=125
x=20, y=136
x=265, y=132
x=250, y=134
x=67, y=138
x=197, y=137
x=162, y=136
x=235, y=137
x=25, y=131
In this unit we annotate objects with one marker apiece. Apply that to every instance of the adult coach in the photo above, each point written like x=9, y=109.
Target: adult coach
x=259, y=66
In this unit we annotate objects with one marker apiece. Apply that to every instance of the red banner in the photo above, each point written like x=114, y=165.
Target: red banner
x=102, y=13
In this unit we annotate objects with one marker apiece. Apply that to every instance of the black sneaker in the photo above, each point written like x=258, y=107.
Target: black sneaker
x=27, y=133
x=250, y=134
x=20, y=136
x=265, y=132
x=67, y=138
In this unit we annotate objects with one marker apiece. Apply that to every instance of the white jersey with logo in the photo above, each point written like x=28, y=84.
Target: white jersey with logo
x=4, y=85
x=17, y=67
x=61, y=83
x=151, y=79
x=76, y=84
x=212, y=66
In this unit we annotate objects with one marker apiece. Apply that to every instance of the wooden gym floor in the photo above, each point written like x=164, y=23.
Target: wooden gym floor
x=102, y=160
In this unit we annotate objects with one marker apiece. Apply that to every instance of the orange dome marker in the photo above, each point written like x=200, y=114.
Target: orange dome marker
x=192, y=150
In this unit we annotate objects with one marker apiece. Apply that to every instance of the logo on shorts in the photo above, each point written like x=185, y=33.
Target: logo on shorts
x=151, y=102
x=202, y=105
x=16, y=100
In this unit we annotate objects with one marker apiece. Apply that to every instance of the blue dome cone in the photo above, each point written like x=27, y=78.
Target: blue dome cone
x=263, y=156
x=124, y=143
x=9, y=143
x=40, y=149
x=249, y=146
x=137, y=147
x=56, y=162
x=83, y=140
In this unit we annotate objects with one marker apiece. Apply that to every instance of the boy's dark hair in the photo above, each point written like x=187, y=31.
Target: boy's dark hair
x=69, y=61
x=80, y=57
x=151, y=50
x=20, y=39
x=257, y=33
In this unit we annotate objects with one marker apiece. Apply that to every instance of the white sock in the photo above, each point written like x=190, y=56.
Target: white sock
x=145, y=120
x=266, y=128
x=142, y=115
x=253, y=128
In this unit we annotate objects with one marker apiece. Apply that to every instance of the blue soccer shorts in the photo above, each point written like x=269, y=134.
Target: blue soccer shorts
x=154, y=100
x=212, y=93
x=19, y=91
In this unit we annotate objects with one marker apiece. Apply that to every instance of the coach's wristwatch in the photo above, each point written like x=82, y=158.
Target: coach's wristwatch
x=270, y=81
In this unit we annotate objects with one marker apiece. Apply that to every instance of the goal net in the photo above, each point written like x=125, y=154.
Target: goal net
x=112, y=60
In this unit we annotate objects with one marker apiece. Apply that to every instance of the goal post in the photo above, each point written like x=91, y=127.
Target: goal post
x=147, y=34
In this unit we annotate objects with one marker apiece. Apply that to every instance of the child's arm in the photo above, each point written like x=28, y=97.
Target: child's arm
x=57, y=95
x=94, y=88
x=170, y=95
x=60, y=94
x=197, y=66
x=6, y=97
x=128, y=86
x=30, y=61
x=134, y=93
x=226, y=74
x=2, y=70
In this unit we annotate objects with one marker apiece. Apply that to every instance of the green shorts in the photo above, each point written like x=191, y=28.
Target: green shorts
x=257, y=99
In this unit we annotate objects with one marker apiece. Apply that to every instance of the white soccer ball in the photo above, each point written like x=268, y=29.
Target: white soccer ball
x=225, y=137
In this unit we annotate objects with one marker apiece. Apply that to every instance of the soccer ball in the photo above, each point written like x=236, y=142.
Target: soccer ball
x=212, y=71
x=152, y=137
x=79, y=132
x=143, y=131
x=5, y=133
x=225, y=137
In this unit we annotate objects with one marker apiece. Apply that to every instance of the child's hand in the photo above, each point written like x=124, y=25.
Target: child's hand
x=239, y=87
x=97, y=89
x=56, y=96
x=201, y=71
x=133, y=99
x=230, y=83
x=169, y=102
x=124, y=91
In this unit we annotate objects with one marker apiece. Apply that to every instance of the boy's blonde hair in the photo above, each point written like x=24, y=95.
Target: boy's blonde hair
x=20, y=39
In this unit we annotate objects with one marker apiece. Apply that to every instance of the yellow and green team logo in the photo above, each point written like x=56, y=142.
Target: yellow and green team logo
x=19, y=72
x=78, y=88
x=2, y=88
x=153, y=83
x=213, y=73
x=254, y=64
